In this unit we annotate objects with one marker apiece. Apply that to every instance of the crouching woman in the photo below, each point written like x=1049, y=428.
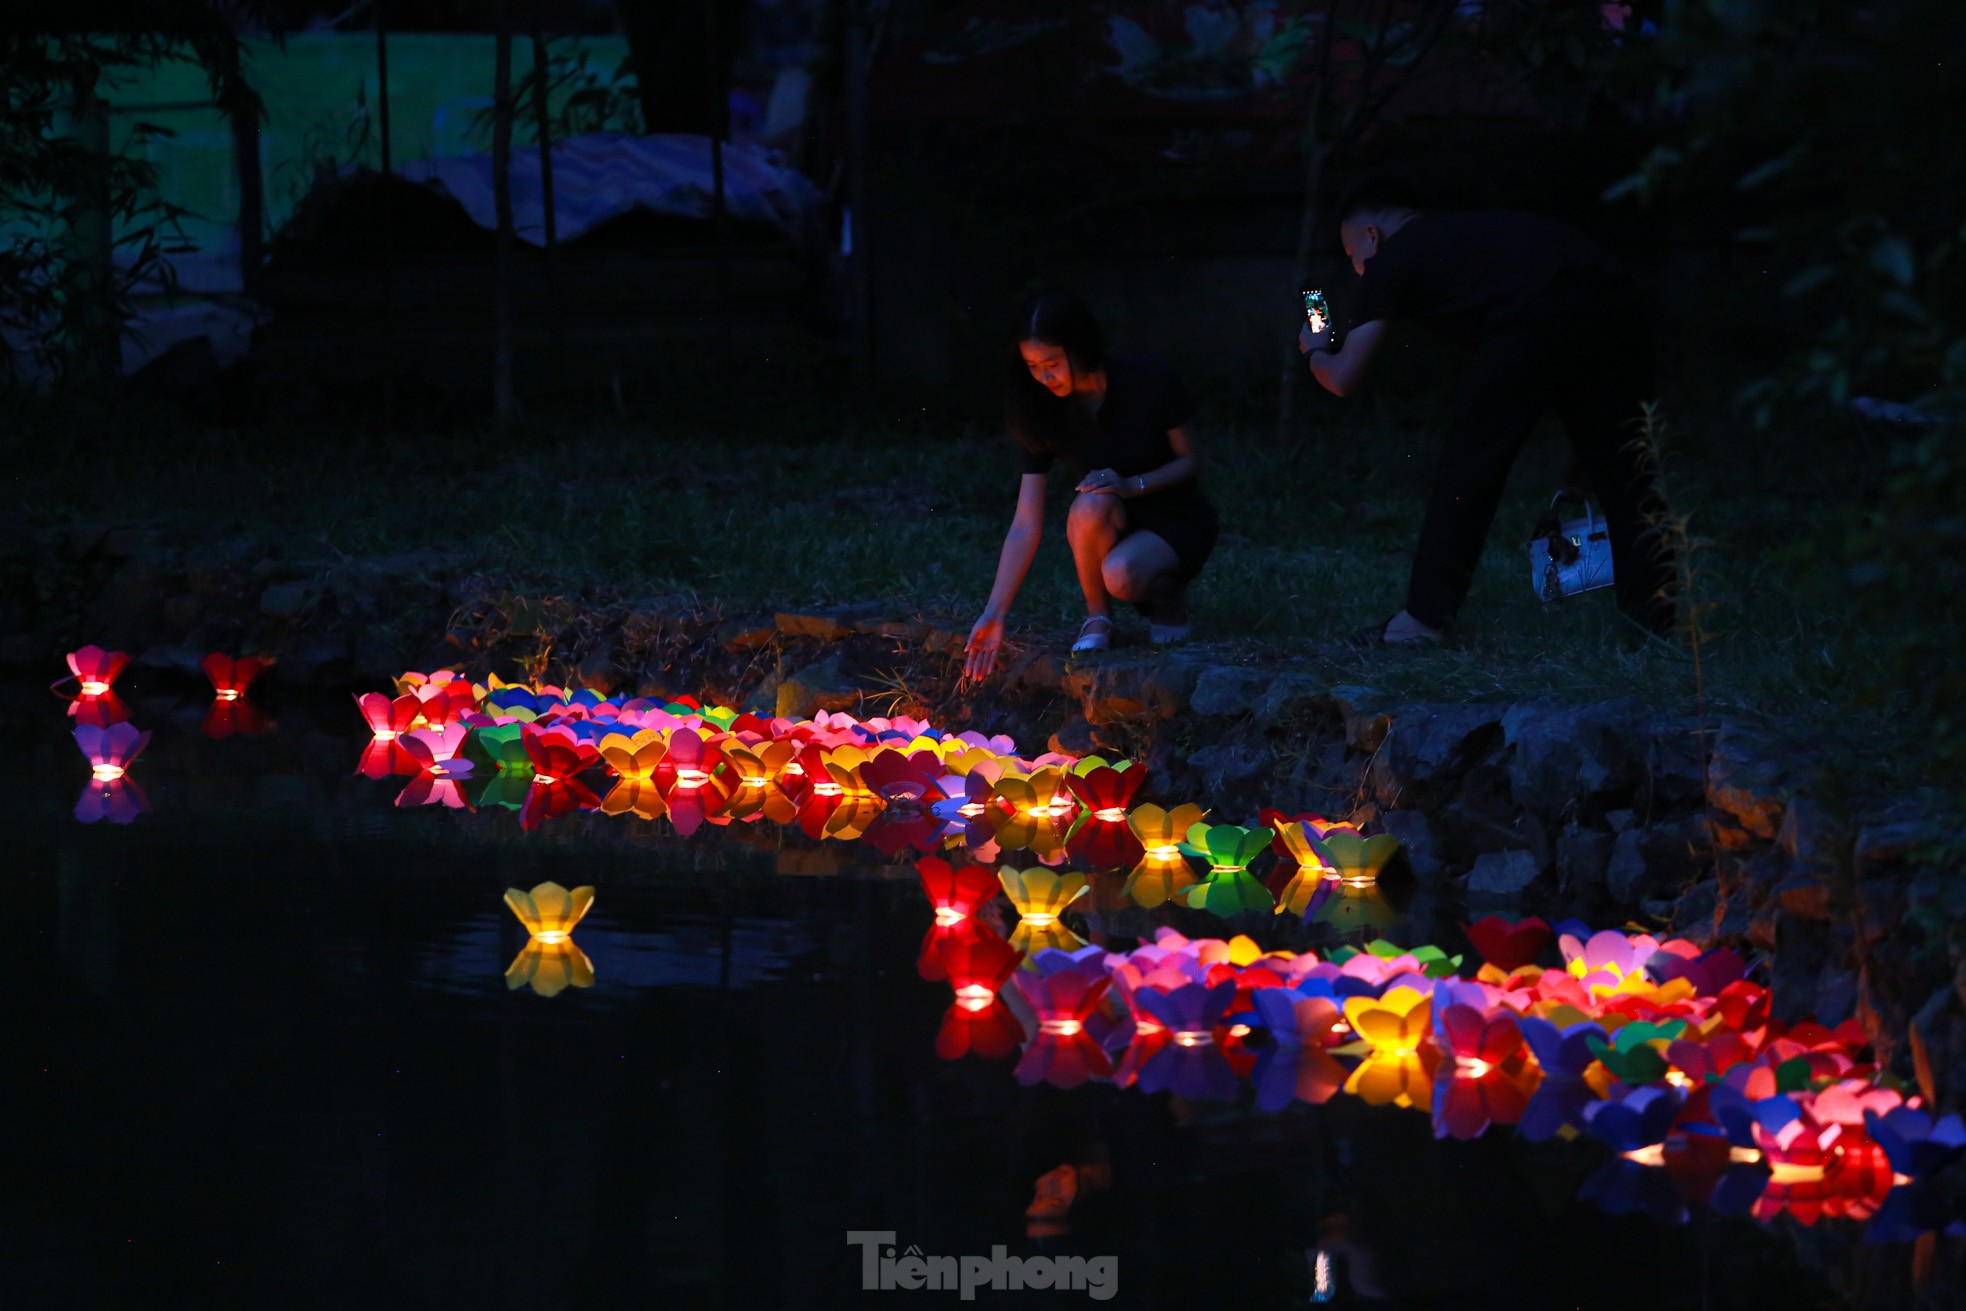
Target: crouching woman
x=1140, y=527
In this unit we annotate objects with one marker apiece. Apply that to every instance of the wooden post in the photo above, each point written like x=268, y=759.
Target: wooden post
x=555, y=324
x=504, y=406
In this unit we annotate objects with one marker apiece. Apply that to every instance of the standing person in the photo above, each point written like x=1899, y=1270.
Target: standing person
x=1555, y=326
x=1140, y=528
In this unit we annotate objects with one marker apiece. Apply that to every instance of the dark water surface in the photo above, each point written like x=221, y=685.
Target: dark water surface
x=261, y=1053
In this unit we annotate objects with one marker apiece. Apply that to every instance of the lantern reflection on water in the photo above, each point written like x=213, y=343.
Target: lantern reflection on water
x=550, y=962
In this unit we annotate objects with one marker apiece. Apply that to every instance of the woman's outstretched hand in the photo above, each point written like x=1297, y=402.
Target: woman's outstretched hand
x=985, y=641
x=1308, y=341
x=1102, y=480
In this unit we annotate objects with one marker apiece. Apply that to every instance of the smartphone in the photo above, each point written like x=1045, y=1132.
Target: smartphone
x=1317, y=312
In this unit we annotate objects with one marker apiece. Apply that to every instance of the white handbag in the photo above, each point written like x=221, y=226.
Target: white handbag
x=1572, y=555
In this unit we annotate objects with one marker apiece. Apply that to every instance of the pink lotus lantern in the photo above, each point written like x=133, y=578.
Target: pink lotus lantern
x=388, y=719
x=96, y=669
x=110, y=750
x=230, y=678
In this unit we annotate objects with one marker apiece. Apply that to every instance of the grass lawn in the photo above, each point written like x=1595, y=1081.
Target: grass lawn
x=814, y=506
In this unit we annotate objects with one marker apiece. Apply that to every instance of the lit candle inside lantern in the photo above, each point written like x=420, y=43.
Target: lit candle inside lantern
x=553, y=935
x=1111, y=814
x=949, y=916
x=974, y=997
x=107, y=773
x=1062, y=1028
x=1324, y=1286
x=1650, y=1154
x=1678, y=1079
x=1238, y=1030
x=1039, y=919
x=229, y=694
x=1170, y=851
x=827, y=789
x=970, y=808
x=1193, y=1038
x=691, y=778
x=94, y=687
x=1471, y=1067
x=1794, y=1172
x=547, y=779
x=755, y=781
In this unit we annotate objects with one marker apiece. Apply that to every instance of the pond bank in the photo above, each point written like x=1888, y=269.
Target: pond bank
x=1726, y=831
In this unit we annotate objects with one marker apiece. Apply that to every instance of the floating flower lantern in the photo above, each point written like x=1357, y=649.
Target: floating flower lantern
x=387, y=718
x=550, y=912
x=1163, y=870
x=1395, y=1024
x=977, y=965
x=230, y=678
x=1509, y=946
x=1186, y=1058
x=1041, y=896
x=1063, y=1052
x=634, y=755
x=1355, y=858
x=1035, y=803
x=110, y=750
x=635, y=796
x=557, y=753
x=1230, y=888
x=956, y=894
x=95, y=670
x=1295, y=1067
x=1106, y=790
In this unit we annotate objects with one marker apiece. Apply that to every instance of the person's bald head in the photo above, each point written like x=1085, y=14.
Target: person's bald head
x=1372, y=211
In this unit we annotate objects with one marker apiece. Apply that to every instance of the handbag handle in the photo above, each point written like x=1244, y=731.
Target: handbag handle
x=1590, y=511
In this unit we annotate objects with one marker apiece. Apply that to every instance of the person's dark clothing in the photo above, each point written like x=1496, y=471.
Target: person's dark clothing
x=1554, y=325
x=1579, y=346
x=1144, y=399
x=1464, y=272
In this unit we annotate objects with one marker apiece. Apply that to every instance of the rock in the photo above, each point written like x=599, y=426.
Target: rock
x=1287, y=694
x=289, y=600
x=1428, y=744
x=815, y=688
x=1891, y=842
x=1482, y=818
x=1582, y=857
x=1416, y=839
x=1229, y=764
x=1110, y=687
x=745, y=634
x=1074, y=737
x=1228, y=690
x=1805, y=898
x=1746, y=785
x=1625, y=875
x=1816, y=843
x=1801, y=952
x=828, y=625
x=182, y=613
x=1675, y=765
x=1620, y=820
x=1836, y=995
x=315, y=660
x=1504, y=874
x=1365, y=725
x=1560, y=755
x=600, y=673
x=1646, y=862
x=173, y=658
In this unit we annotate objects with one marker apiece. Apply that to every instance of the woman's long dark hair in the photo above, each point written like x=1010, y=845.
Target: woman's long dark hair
x=1036, y=418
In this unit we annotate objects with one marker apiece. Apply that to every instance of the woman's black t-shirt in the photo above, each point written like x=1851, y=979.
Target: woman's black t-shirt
x=1144, y=399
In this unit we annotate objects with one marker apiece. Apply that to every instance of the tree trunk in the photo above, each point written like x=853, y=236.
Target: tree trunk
x=386, y=366
x=859, y=56
x=555, y=325
x=94, y=335
x=503, y=405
